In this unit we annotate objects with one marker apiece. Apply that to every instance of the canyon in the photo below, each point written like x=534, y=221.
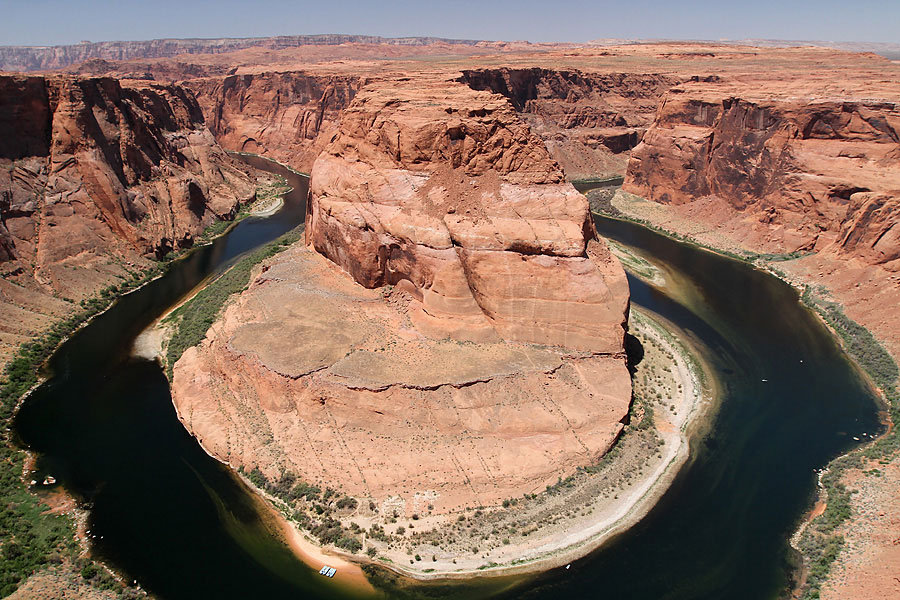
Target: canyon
x=97, y=178
x=451, y=276
x=491, y=360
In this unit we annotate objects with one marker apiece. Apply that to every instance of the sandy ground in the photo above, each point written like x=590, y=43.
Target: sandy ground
x=869, y=566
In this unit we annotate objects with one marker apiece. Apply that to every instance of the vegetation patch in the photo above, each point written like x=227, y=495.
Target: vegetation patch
x=819, y=543
x=192, y=320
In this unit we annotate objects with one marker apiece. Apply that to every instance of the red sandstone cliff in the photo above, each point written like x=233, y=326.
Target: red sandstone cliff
x=444, y=188
x=803, y=172
x=588, y=121
x=95, y=175
x=493, y=365
x=289, y=116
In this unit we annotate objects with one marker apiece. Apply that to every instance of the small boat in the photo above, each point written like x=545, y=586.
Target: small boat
x=327, y=571
x=765, y=380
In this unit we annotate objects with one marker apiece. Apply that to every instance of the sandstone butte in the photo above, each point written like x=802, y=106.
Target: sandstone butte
x=451, y=337
x=763, y=149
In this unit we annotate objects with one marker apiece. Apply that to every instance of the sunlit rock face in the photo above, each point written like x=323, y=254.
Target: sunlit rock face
x=444, y=190
x=451, y=334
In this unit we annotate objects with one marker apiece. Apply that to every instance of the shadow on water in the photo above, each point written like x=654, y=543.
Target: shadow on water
x=104, y=425
x=179, y=522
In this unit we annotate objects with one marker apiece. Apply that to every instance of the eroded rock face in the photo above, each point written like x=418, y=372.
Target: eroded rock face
x=448, y=193
x=289, y=116
x=807, y=173
x=588, y=121
x=95, y=176
x=309, y=372
x=451, y=336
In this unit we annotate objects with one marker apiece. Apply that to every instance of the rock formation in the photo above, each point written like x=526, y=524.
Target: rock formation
x=96, y=176
x=801, y=173
x=588, y=121
x=450, y=192
x=460, y=343
x=286, y=116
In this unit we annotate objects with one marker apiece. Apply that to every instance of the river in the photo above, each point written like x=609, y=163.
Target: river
x=180, y=523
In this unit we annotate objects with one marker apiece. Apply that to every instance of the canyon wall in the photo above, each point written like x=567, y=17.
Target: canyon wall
x=96, y=176
x=452, y=334
x=799, y=173
x=42, y=58
x=588, y=121
x=289, y=117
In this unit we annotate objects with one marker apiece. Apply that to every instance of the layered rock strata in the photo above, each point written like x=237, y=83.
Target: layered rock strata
x=451, y=195
x=96, y=176
x=289, y=116
x=798, y=172
x=588, y=121
x=451, y=336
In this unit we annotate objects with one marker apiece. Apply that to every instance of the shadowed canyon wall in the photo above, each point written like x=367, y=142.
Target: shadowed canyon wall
x=289, y=116
x=588, y=121
x=96, y=176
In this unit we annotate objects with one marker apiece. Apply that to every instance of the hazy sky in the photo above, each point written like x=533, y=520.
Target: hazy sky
x=43, y=22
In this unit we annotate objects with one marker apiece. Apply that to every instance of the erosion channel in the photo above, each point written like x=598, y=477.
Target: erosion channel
x=165, y=513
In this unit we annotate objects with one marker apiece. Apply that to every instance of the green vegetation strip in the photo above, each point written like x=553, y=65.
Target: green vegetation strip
x=193, y=319
x=32, y=538
x=819, y=543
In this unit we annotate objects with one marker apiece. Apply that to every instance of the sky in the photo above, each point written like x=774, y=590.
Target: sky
x=50, y=22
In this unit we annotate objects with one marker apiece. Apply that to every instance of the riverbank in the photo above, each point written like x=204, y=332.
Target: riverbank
x=49, y=544
x=570, y=519
x=837, y=557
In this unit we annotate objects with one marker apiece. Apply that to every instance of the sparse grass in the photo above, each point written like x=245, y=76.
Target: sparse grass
x=192, y=320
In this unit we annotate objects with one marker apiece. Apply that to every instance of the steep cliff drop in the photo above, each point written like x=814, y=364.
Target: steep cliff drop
x=453, y=333
x=805, y=173
x=97, y=176
x=287, y=116
x=588, y=121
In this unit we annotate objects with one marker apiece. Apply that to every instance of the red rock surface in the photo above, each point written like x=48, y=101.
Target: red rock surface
x=807, y=172
x=443, y=189
x=95, y=176
x=286, y=116
x=431, y=391
x=588, y=121
x=311, y=372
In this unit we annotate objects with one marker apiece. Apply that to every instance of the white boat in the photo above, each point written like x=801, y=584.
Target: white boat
x=327, y=571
